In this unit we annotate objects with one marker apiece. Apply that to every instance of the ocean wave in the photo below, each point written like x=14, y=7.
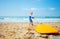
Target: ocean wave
x=27, y=20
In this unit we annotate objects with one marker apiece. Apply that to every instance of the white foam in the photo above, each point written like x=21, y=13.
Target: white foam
x=27, y=20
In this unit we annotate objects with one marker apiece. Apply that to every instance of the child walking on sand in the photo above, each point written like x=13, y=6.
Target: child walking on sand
x=30, y=19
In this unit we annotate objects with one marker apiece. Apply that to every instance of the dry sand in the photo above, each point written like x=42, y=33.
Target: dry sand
x=22, y=30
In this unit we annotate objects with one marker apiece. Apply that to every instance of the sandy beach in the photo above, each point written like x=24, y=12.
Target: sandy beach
x=23, y=30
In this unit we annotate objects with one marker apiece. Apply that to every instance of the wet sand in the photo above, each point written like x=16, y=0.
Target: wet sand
x=23, y=30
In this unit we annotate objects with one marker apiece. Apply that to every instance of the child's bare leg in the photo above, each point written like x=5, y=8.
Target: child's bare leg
x=31, y=24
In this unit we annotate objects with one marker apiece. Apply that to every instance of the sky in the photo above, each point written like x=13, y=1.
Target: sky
x=24, y=7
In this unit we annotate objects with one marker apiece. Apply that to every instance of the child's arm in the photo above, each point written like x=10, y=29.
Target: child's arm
x=33, y=17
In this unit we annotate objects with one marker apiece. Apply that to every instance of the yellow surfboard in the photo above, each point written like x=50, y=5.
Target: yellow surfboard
x=44, y=28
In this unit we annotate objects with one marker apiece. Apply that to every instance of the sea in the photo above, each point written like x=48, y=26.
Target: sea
x=26, y=19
